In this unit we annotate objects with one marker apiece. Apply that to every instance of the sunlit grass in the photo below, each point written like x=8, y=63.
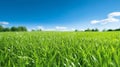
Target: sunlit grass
x=60, y=49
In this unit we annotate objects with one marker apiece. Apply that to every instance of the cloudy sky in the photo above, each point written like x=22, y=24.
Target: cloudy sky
x=60, y=14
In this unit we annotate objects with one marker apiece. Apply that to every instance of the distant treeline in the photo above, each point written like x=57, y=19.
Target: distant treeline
x=89, y=30
x=13, y=29
x=96, y=30
x=114, y=29
x=23, y=28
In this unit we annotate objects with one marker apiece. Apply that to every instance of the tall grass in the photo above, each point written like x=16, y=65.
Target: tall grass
x=60, y=49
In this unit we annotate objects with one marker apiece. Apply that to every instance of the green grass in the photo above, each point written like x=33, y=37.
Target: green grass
x=60, y=49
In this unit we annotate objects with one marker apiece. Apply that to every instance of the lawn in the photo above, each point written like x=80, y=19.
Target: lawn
x=60, y=49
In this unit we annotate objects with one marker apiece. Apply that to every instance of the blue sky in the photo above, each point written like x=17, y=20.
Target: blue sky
x=60, y=14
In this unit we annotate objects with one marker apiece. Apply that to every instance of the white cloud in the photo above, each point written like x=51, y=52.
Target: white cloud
x=113, y=14
x=50, y=29
x=111, y=18
x=94, y=21
x=61, y=28
x=40, y=27
x=4, y=23
x=72, y=29
x=56, y=28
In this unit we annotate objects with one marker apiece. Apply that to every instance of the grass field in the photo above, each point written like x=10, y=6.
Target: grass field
x=60, y=49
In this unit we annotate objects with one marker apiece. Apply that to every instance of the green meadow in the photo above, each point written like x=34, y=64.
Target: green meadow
x=60, y=49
